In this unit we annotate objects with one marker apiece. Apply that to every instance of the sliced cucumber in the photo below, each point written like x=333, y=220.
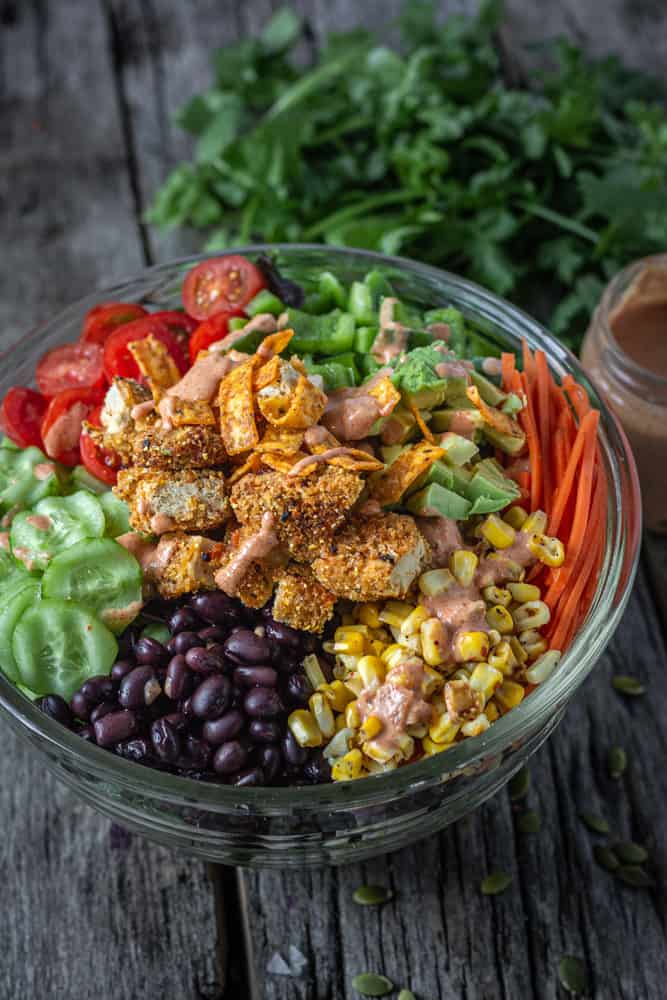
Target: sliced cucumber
x=116, y=514
x=57, y=645
x=101, y=575
x=8, y=443
x=19, y=486
x=13, y=575
x=27, y=595
x=81, y=479
x=54, y=525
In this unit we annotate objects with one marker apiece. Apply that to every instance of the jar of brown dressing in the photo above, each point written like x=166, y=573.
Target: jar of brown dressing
x=625, y=353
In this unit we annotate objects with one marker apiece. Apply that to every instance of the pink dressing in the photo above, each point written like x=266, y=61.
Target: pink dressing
x=25, y=556
x=443, y=537
x=112, y=615
x=461, y=423
x=43, y=470
x=142, y=410
x=440, y=331
x=392, y=340
x=40, y=522
x=160, y=523
x=65, y=431
x=351, y=413
x=4, y=541
x=262, y=323
x=398, y=703
x=303, y=463
x=7, y=519
x=200, y=382
x=140, y=547
x=256, y=547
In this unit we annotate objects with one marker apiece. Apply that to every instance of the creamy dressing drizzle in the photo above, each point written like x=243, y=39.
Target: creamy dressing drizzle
x=350, y=413
x=461, y=423
x=4, y=541
x=161, y=523
x=230, y=577
x=141, y=410
x=43, y=470
x=263, y=322
x=64, y=433
x=323, y=456
x=40, y=522
x=392, y=340
x=398, y=703
x=24, y=556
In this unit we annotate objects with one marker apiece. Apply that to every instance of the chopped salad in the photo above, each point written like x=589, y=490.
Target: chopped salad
x=292, y=533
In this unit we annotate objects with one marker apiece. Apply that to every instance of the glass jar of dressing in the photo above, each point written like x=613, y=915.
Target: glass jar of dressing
x=625, y=352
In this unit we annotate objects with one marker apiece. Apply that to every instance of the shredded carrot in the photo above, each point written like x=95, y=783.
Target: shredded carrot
x=578, y=396
x=586, y=432
x=507, y=366
x=527, y=420
x=543, y=385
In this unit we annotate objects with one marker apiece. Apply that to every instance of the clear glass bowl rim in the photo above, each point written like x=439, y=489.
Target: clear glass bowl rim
x=616, y=578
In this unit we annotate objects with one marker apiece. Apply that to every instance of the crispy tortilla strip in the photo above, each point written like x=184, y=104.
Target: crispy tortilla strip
x=299, y=407
x=237, y=408
x=325, y=440
x=253, y=464
x=279, y=461
x=155, y=362
x=389, y=486
x=353, y=459
x=275, y=343
x=189, y=412
x=386, y=394
x=268, y=374
x=500, y=421
x=421, y=424
x=280, y=439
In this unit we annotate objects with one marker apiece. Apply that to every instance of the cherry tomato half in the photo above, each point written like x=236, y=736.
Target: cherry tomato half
x=61, y=425
x=117, y=357
x=210, y=331
x=103, y=319
x=177, y=322
x=102, y=464
x=21, y=416
x=70, y=366
x=221, y=284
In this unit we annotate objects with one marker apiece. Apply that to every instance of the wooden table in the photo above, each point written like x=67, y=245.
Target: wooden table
x=88, y=90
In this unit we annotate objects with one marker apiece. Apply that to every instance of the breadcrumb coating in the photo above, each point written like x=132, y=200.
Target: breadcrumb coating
x=302, y=602
x=185, y=563
x=178, y=448
x=159, y=501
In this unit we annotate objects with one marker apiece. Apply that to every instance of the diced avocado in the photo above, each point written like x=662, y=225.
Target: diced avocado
x=512, y=405
x=436, y=501
x=492, y=469
x=364, y=338
x=458, y=450
x=390, y=452
x=486, y=505
x=360, y=303
x=417, y=378
x=457, y=398
x=379, y=287
x=399, y=426
x=506, y=442
x=448, y=476
x=489, y=392
x=481, y=485
x=444, y=420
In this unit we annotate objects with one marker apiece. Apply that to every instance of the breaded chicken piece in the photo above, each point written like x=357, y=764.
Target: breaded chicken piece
x=307, y=510
x=179, y=448
x=118, y=424
x=184, y=563
x=372, y=558
x=302, y=602
x=159, y=501
x=256, y=587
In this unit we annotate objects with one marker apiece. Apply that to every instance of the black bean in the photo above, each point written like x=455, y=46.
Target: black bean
x=212, y=633
x=80, y=706
x=97, y=689
x=285, y=660
x=309, y=642
x=183, y=620
x=185, y=708
x=270, y=760
x=196, y=754
x=115, y=728
x=246, y=779
x=251, y=676
x=243, y=646
x=298, y=689
x=264, y=730
x=294, y=754
x=138, y=749
x=166, y=741
x=218, y=649
x=283, y=634
x=216, y=608
x=229, y=725
x=178, y=721
x=211, y=697
x=150, y=652
x=85, y=732
x=120, y=668
x=132, y=691
x=263, y=703
x=185, y=641
x=177, y=675
x=203, y=661
x=104, y=708
x=229, y=757
x=56, y=708
x=237, y=696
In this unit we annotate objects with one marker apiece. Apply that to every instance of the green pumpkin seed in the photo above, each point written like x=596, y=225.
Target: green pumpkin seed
x=629, y=853
x=635, y=876
x=519, y=784
x=495, y=883
x=596, y=824
x=625, y=684
x=406, y=995
x=529, y=822
x=617, y=761
x=605, y=857
x=372, y=895
x=370, y=984
x=572, y=974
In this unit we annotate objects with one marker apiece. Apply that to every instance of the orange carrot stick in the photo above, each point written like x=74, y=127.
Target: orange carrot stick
x=543, y=387
x=586, y=432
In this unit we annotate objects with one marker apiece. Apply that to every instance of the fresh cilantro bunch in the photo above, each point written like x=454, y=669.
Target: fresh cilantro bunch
x=539, y=193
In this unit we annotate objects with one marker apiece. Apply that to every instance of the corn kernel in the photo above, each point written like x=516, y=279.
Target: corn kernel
x=414, y=621
x=476, y=726
x=321, y=710
x=499, y=618
x=313, y=671
x=548, y=550
x=406, y=746
x=497, y=532
x=368, y=614
x=485, y=679
x=444, y=730
x=374, y=767
x=416, y=731
x=376, y=647
x=494, y=636
x=393, y=655
x=336, y=694
x=434, y=641
x=535, y=522
x=463, y=565
x=377, y=752
x=471, y=646
x=431, y=682
x=430, y=747
x=532, y=614
x=354, y=684
x=304, y=728
x=412, y=643
x=543, y=667
x=339, y=744
x=516, y=516
x=500, y=657
x=436, y=581
x=340, y=722
x=509, y=695
x=349, y=641
x=395, y=612
x=518, y=652
x=348, y=767
x=491, y=712
x=524, y=592
x=371, y=727
x=533, y=642
x=509, y=569
x=352, y=716
x=497, y=595
x=371, y=670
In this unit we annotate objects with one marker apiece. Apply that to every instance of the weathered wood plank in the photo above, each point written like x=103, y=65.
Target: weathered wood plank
x=82, y=917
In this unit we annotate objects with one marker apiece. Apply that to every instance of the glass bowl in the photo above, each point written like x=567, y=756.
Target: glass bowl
x=336, y=823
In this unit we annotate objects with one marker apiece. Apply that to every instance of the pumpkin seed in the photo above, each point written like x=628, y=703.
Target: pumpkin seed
x=495, y=883
x=372, y=895
x=519, y=784
x=605, y=857
x=406, y=995
x=625, y=684
x=572, y=974
x=629, y=853
x=596, y=824
x=370, y=984
x=617, y=761
x=529, y=822
x=635, y=876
